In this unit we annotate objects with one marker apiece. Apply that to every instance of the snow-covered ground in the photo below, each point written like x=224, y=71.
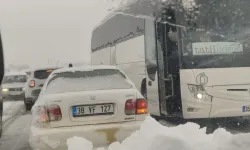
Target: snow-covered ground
x=11, y=108
x=154, y=136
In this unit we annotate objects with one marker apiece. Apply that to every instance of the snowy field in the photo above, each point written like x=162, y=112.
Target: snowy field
x=154, y=136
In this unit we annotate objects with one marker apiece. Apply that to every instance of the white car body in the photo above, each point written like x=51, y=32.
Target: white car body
x=14, y=89
x=99, y=129
x=32, y=93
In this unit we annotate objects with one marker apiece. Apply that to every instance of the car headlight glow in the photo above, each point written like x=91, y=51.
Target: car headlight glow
x=5, y=90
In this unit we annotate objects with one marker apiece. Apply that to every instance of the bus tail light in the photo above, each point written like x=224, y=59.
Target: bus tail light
x=136, y=107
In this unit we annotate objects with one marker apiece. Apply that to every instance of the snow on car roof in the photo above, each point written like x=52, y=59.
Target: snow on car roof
x=45, y=68
x=14, y=73
x=85, y=68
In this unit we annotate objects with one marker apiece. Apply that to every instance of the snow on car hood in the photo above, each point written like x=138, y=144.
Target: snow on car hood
x=13, y=85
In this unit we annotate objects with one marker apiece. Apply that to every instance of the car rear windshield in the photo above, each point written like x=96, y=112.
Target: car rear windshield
x=14, y=79
x=42, y=74
x=100, y=79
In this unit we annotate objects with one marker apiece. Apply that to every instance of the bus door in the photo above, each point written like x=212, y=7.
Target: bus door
x=169, y=67
x=164, y=78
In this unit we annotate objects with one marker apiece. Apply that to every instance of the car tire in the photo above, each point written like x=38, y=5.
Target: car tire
x=28, y=107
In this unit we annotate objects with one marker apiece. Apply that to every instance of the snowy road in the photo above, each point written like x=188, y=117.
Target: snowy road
x=10, y=109
x=15, y=127
x=17, y=124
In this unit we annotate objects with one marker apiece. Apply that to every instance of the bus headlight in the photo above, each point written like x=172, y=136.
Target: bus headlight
x=199, y=96
x=198, y=92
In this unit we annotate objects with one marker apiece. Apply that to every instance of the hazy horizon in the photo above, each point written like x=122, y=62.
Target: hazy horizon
x=43, y=32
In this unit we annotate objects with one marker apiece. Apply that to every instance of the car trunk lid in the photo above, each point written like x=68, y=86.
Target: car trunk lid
x=91, y=107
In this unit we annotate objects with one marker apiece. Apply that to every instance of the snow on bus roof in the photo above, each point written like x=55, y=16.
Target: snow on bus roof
x=122, y=13
x=14, y=73
x=144, y=8
x=84, y=68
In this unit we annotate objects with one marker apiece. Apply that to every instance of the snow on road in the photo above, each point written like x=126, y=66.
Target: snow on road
x=189, y=136
x=16, y=129
x=11, y=108
x=15, y=137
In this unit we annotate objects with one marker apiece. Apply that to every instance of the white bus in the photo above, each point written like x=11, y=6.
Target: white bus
x=189, y=61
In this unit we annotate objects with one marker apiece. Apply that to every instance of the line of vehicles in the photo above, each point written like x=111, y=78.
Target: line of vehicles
x=25, y=85
x=97, y=102
x=167, y=63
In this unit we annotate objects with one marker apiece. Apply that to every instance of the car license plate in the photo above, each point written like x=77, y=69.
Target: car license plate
x=246, y=108
x=91, y=110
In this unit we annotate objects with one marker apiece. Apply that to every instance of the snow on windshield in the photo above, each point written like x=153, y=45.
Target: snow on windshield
x=101, y=79
x=14, y=78
x=182, y=137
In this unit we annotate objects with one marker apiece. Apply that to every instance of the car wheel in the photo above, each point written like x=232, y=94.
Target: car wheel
x=28, y=107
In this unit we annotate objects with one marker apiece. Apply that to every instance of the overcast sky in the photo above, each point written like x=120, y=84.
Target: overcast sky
x=38, y=32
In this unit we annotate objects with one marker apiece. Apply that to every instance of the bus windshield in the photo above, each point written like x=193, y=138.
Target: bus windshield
x=217, y=35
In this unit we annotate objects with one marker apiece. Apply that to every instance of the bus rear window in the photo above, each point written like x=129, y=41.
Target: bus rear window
x=42, y=74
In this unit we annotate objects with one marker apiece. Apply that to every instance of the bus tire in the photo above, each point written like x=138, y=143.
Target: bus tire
x=144, y=88
x=157, y=118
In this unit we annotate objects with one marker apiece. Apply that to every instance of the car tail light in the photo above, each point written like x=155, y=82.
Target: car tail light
x=130, y=107
x=51, y=113
x=138, y=106
x=32, y=83
x=54, y=113
x=44, y=115
x=141, y=106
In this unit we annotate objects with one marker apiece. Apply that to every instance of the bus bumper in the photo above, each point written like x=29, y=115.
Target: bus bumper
x=229, y=108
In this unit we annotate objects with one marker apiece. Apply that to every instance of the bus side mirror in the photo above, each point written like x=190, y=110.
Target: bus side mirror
x=1, y=60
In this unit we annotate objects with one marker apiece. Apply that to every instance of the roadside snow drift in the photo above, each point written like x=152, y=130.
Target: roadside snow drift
x=154, y=136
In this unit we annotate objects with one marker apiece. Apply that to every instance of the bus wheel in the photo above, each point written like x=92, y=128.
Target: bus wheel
x=157, y=118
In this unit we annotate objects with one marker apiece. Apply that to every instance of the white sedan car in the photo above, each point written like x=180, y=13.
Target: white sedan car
x=98, y=103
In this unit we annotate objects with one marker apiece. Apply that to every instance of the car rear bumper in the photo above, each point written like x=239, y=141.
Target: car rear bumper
x=100, y=135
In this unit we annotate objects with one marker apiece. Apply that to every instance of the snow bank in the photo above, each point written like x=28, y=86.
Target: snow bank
x=154, y=136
